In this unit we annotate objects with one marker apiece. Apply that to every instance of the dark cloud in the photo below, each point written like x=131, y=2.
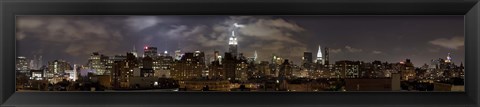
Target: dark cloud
x=77, y=36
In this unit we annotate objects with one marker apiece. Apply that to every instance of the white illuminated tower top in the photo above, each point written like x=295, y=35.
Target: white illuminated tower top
x=319, y=55
x=449, y=59
x=233, y=39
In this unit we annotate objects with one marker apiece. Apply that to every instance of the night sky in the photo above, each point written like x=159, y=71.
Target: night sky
x=366, y=38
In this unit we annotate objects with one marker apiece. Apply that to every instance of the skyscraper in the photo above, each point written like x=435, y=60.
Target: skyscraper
x=147, y=70
x=123, y=71
x=98, y=63
x=188, y=67
x=36, y=62
x=449, y=59
x=327, y=56
x=232, y=45
x=307, y=57
x=229, y=66
x=319, y=55
x=58, y=67
x=72, y=74
x=22, y=64
x=307, y=60
x=232, y=42
x=150, y=52
x=200, y=57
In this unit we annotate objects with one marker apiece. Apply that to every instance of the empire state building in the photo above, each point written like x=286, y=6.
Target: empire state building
x=232, y=45
x=232, y=42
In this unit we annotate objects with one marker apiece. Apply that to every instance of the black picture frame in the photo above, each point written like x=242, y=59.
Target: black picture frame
x=10, y=8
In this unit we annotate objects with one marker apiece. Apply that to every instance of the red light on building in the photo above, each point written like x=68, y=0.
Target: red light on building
x=146, y=47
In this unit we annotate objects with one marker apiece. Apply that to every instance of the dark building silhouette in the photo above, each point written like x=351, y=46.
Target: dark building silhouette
x=229, y=65
x=216, y=70
x=147, y=70
x=150, y=52
x=307, y=60
x=327, y=56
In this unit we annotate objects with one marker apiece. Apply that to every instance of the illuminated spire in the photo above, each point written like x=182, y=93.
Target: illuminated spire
x=319, y=55
x=233, y=39
x=449, y=59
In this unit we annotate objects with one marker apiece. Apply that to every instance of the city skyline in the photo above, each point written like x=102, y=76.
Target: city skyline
x=74, y=38
x=240, y=53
